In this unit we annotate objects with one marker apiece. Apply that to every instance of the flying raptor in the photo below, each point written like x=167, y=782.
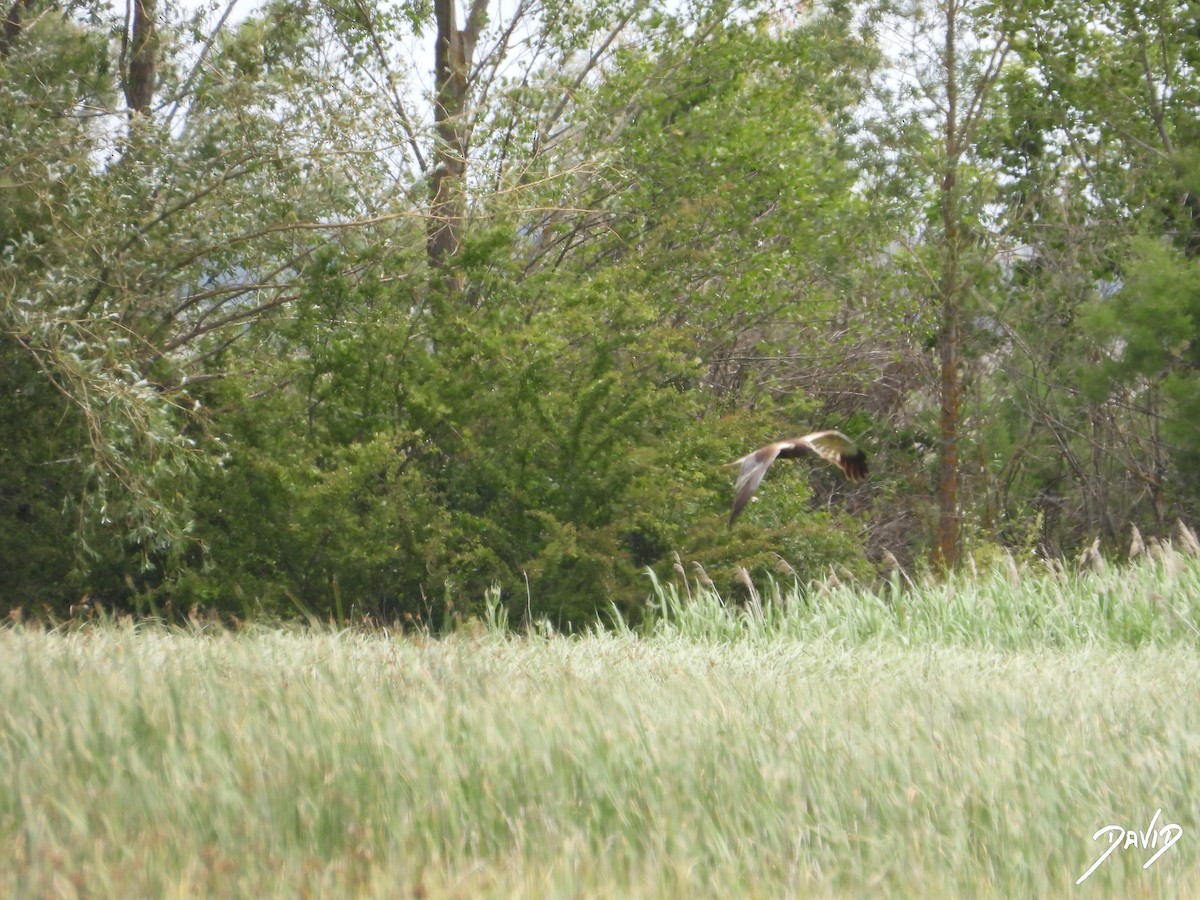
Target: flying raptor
x=832, y=446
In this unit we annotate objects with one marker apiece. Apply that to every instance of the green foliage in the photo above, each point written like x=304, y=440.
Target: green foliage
x=557, y=428
x=134, y=249
x=1148, y=325
x=1105, y=100
x=488, y=463
x=231, y=378
x=1149, y=321
x=580, y=462
x=98, y=455
x=35, y=554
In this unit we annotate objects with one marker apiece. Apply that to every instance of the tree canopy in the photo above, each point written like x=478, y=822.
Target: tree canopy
x=341, y=308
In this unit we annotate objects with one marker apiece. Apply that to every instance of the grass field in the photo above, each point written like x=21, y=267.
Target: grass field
x=951, y=740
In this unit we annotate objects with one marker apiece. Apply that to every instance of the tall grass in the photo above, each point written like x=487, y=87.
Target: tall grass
x=840, y=747
x=1155, y=600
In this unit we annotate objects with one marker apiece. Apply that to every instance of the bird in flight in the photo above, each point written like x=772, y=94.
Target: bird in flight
x=832, y=446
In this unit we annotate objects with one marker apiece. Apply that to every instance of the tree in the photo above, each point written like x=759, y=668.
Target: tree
x=957, y=53
x=1099, y=107
x=132, y=257
x=454, y=56
x=561, y=431
x=139, y=57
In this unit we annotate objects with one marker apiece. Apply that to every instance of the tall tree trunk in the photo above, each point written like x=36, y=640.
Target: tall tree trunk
x=13, y=25
x=453, y=56
x=950, y=352
x=950, y=339
x=142, y=54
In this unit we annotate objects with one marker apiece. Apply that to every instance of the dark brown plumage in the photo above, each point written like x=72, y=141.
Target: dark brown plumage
x=832, y=446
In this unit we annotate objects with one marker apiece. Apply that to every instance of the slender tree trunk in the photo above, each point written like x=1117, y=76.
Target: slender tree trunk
x=453, y=56
x=142, y=67
x=13, y=24
x=950, y=353
x=950, y=339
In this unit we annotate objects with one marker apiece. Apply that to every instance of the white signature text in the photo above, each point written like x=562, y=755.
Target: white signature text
x=1160, y=841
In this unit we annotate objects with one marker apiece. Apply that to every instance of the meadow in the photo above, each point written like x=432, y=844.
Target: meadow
x=957, y=738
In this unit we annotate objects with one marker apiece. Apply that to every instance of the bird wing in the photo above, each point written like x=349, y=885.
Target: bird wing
x=832, y=446
x=835, y=447
x=754, y=467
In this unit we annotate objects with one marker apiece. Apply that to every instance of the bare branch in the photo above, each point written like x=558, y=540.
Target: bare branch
x=186, y=87
x=394, y=98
